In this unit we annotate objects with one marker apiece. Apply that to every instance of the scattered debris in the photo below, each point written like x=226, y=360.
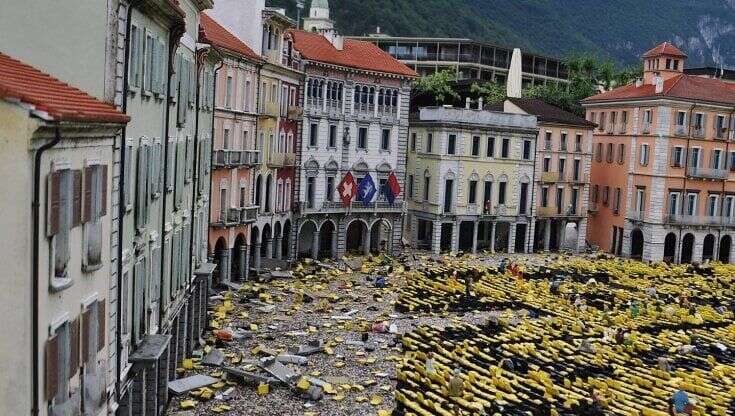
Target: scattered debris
x=186, y=384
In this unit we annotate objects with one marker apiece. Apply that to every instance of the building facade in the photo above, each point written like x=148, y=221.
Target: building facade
x=561, y=175
x=355, y=121
x=662, y=181
x=470, y=177
x=235, y=152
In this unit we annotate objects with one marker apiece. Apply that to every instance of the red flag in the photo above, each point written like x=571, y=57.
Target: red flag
x=395, y=187
x=347, y=189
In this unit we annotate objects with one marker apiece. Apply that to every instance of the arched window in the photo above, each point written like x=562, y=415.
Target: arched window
x=395, y=98
x=321, y=89
x=364, y=95
x=371, y=97
x=357, y=95
x=381, y=94
x=340, y=92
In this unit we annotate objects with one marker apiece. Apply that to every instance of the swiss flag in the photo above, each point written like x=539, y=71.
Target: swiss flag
x=347, y=189
x=393, y=188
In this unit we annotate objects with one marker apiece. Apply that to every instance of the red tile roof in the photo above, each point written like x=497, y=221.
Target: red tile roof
x=213, y=33
x=687, y=87
x=665, y=48
x=19, y=81
x=355, y=54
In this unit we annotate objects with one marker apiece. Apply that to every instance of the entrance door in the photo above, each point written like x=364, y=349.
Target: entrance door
x=448, y=187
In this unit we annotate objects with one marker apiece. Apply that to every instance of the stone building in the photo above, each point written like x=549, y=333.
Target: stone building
x=662, y=181
x=235, y=152
x=355, y=121
x=469, y=180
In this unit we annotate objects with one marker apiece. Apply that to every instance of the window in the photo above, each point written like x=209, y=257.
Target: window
x=472, y=192
x=139, y=315
x=677, y=156
x=451, y=144
x=640, y=200
x=64, y=213
x=501, y=192
x=148, y=62
x=310, y=191
x=330, y=189
x=729, y=209
x=610, y=155
x=605, y=195
x=547, y=141
x=246, y=102
x=523, y=201
x=691, y=208
x=598, y=157
x=362, y=138
x=562, y=165
x=694, y=161
x=332, y=136
x=429, y=143
x=427, y=182
x=595, y=193
x=546, y=163
x=624, y=121
x=544, y=196
x=410, y=186
x=647, y=117
x=720, y=127
x=681, y=117
x=413, y=142
x=643, y=155
x=448, y=195
x=673, y=203
x=576, y=170
x=385, y=140
x=183, y=89
x=563, y=141
x=488, y=196
x=732, y=161
x=505, y=148
x=62, y=361
x=698, y=121
x=621, y=153
x=712, y=205
x=490, y=151
x=716, y=159
x=228, y=92
x=94, y=208
x=613, y=116
x=578, y=142
x=616, y=201
x=559, y=204
x=526, y=150
x=136, y=57
x=314, y=128
x=476, y=146
x=601, y=126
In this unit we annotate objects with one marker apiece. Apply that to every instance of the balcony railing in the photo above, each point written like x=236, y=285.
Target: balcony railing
x=548, y=177
x=248, y=214
x=684, y=219
x=646, y=128
x=721, y=133
x=553, y=211
x=708, y=173
x=269, y=109
x=232, y=158
x=281, y=160
x=295, y=113
x=499, y=210
x=355, y=206
x=680, y=130
x=698, y=131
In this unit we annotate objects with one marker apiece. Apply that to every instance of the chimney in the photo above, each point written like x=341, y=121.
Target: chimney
x=659, y=84
x=638, y=82
x=467, y=103
x=479, y=103
x=514, y=86
x=377, y=30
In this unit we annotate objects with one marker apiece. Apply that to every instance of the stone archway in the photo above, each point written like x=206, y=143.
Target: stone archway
x=239, y=261
x=356, y=236
x=328, y=240
x=670, y=248
x=255, y=249
x=380, y=236
x=687, y=248
x=636, y=244
x=268, y=194
x=708, y=247
x=266, y=246
x=725, y=247
x=277, y=244
x=306, y=235
x=286, y=241
x=222, y=258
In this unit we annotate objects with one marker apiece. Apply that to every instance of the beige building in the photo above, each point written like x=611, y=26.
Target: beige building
x=56, y=145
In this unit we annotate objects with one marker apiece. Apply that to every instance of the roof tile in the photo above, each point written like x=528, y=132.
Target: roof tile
x=665, y=48
x=212, y=32
x=355, y=54
x=687, y=87
x=23, y=82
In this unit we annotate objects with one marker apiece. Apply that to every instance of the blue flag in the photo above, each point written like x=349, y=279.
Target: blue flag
x=366, y=190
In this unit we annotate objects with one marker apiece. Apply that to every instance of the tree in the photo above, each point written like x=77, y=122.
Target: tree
x=438, y=85
x=491, y=92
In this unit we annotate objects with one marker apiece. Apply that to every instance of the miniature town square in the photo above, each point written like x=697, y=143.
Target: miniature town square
x=265, y=207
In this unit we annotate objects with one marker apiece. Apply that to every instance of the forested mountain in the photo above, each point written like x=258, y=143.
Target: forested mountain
x=616, y=29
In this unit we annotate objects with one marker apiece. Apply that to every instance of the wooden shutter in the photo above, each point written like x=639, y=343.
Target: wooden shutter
x=73, y=347
x=86, y=332
x=88, y=191
x=77, y=198
x=712, y=159
x=101, y=321
x=54, y=203
x=103, y=187
x=52, y=367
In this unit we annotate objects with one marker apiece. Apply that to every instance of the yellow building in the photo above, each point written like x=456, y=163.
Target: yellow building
x=469, y=180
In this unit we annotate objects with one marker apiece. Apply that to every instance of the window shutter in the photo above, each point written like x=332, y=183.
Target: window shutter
x=151, y=169
x=712, y=160
x=77, y=197
x=73, y=347
x=103, y=187
x=170, y=164
x=672, y=160
x=86, y=335
x=101, y=321
x=88, y=174
x=54, y=203
x=52, y=367
x=193, y=78
x=140, y=58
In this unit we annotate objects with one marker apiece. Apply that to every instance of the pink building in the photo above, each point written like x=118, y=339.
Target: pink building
x=234, y=151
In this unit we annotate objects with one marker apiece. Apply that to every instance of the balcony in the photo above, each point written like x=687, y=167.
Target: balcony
x=555, y=212
x=708, y=173
x=356, y=206
x=269, y=109
x=295, y=113
x=621, y=128
x=698, y=131
x=549, y=177
x=500, y=210
x=637, y=215
x=680, y=130
x=646, y=128
x=234, y=217
x=248, y=214
x=721, y=133
x=235, y=158
x=281, y=160
x=701, y=220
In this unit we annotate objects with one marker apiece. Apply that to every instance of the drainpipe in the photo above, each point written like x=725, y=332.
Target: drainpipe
x=686, y=168
x=35, y=207
x=532, y=205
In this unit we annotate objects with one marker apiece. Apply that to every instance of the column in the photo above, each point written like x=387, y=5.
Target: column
x=315, y=246
x=511, y=238
x=375, y=103
x=256, y=259
x=436, y=237
x=366, y=243
x=335, y=236
x=474, y=237
x=269, y=247
x=324, y=95
x=547, y=234
x=492, y=237
x=562, y=234
x=242, y=261
x=224, y=265
x=278, y=248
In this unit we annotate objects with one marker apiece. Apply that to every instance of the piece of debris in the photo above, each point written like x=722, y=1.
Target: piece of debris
x=278, y=370
x=292, y=359
x=248, y=378
x=214, y=358
x=186, y=384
